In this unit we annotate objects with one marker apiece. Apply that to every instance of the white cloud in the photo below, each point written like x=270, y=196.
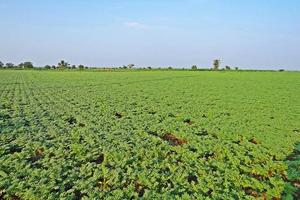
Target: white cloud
x=135, y=25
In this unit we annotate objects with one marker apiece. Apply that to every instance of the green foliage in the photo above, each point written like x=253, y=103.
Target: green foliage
x=81, y=66
x=216, y=64
x=292, y=187
x=227, y=67
x=148, y=134
x=194, y=67
x=27, y=65
x=130, y=66
x=62, y=64
x=9, y=65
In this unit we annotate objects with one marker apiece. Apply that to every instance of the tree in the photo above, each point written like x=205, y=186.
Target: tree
x=130, y=66
x=73, y=66
x=53, y=67
x=80, y=66
x=47, y=67
x=216, y=64
x=27, y=65
x=170, y=68
x=194, y=67
x=1, y=64
x=149, y=68
x=236, y=68
x=227, y=67
x=9, y=65
x=62, y=64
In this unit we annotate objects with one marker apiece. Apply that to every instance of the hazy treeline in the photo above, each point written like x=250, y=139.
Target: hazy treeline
x=63, y=65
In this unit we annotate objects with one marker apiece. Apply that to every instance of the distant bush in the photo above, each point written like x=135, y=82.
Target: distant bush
x=281, y=70
x=194, y=67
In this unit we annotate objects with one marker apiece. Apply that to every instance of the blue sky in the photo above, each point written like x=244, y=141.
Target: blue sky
x=263, y=34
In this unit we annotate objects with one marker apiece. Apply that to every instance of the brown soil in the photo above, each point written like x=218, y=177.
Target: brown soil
x=296, y=183
x=39, y=152
x=173, y=140
x=250, y=191
x=257, y=176
x=139, y=188
x=253, y=141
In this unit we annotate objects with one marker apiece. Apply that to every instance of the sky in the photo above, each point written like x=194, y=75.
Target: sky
x=250, y=34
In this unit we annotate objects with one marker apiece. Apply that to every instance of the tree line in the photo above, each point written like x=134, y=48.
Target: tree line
x=65, y=65
x=29, y=65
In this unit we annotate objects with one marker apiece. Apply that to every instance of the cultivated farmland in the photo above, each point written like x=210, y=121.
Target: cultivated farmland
x=151, y=135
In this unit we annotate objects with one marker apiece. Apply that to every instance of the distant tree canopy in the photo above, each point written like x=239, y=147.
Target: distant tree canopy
x=9, y=65
x=65, y=65
x=21, y=65
x=27, y=65
x=62, y=64
x=194, y=67
x=216, y=64
x=130, y=66
x=80, y=66
x=227, y=67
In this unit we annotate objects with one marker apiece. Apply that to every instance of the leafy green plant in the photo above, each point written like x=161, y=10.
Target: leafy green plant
x=149, y=134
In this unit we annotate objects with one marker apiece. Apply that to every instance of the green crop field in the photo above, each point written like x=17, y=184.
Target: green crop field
x=149, y=134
